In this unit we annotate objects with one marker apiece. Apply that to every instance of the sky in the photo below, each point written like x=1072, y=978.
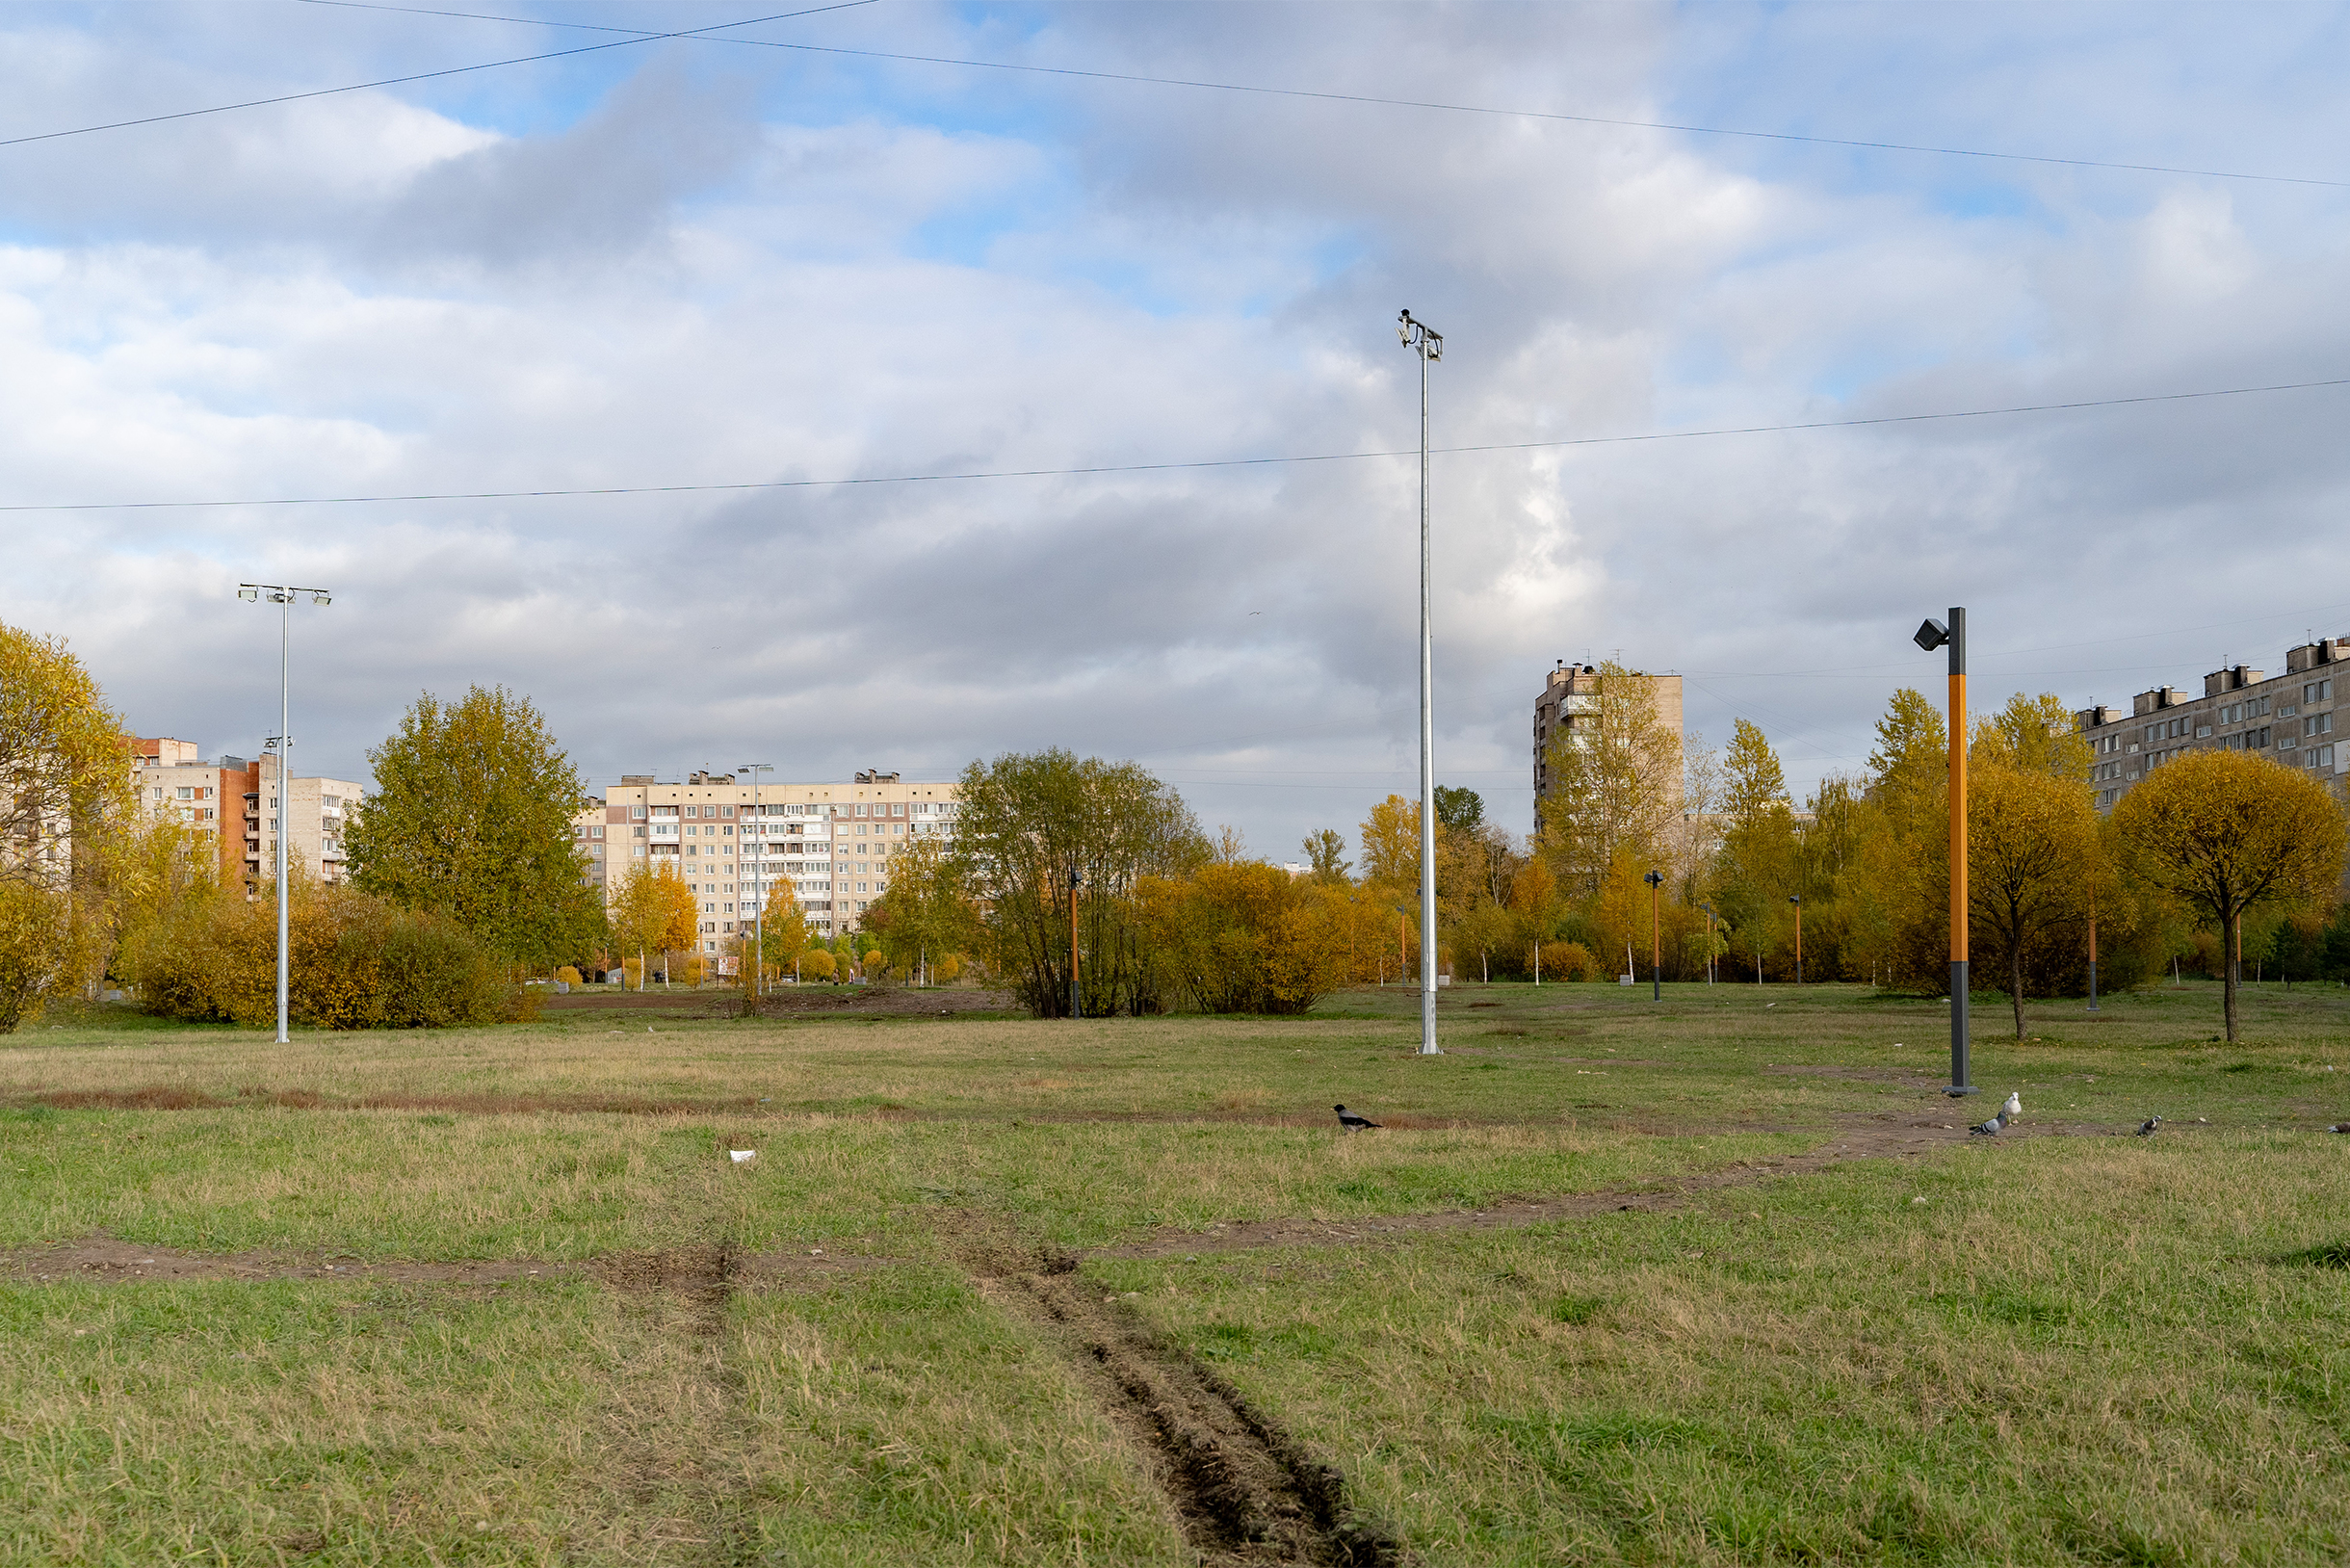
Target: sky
x=767, y=257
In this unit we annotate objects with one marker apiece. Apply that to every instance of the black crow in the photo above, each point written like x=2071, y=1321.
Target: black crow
x=1349, y=1122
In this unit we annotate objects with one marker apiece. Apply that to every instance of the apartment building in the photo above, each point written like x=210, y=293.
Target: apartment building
x=824, y=846
x=173, y=780
x=2290, y=718
x=1571, y=693
x=313, y=812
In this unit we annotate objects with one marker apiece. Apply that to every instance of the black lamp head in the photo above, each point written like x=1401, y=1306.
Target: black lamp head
x=1931, y=635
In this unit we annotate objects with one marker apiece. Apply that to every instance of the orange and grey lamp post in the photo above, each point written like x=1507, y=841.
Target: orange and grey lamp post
x=1656, y=939
x=1931, y=636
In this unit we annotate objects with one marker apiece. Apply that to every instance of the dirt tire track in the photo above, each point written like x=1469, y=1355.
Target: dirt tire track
x=1245, y=1492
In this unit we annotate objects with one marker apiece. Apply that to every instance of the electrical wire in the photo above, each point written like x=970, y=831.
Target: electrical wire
x=1686, y=128
x=1181, y=465
x=418, y=76
x=1614, y=121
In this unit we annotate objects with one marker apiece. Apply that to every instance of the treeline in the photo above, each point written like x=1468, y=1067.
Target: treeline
x=1854, y=884
x=464, y=875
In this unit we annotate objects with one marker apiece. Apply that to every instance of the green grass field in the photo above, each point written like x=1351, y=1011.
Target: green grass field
x=1719, y=1279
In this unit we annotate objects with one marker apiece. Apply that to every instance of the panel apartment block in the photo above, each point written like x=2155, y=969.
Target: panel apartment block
x=1572, y=691
x=2289, y=718
x=826, y=846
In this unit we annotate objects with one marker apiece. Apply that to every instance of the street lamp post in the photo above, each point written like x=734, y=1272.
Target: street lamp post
x=282, y=596
x=1656, y=939
x=1930, y=635
x=1796, y=899
x=1429, y=345
x=1076, y=1000
x=758, y=886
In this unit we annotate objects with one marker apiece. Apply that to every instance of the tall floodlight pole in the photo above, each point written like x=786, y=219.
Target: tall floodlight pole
x=282, y=596
x=1429, y=345
x=1931, y=636
x=758, y=911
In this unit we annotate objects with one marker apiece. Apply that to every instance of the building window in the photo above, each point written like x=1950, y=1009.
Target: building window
x=726, y=811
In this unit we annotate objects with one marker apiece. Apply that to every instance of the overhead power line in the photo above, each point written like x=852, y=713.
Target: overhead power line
x=1197, y=83
x=1178, y=466
x=418, y=76
x=1858, y=144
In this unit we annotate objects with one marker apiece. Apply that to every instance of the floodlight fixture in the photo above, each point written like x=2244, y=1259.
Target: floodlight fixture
x=247, y=593
x=1931, y=633
x=321, y=598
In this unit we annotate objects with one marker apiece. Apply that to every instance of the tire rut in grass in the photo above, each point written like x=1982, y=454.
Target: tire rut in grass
x=1245, y=1491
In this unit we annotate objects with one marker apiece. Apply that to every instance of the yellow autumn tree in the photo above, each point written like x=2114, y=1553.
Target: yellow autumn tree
x=654, y=912
x=2227, y=832
x=1614, y=769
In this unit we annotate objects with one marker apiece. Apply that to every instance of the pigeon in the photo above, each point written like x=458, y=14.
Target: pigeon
x=2145, y=1128
x=1349, y=1122
x=2339, y=1127
x=1991, y=1128
x=2013, y=1108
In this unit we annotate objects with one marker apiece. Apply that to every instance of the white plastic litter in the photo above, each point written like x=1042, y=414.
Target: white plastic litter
x=742, y=1156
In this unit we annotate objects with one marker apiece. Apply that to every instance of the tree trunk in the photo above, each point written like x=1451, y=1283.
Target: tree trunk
x=2015, y=983
x=2229, y=959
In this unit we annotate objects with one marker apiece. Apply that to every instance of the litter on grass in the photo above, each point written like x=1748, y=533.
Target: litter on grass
x=742, y=1156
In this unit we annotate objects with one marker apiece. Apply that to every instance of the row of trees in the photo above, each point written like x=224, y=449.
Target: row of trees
x=2218, y=844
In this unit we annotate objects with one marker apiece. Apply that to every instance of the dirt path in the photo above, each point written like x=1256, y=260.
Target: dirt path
x=1245, y=1491
x=696, y=1272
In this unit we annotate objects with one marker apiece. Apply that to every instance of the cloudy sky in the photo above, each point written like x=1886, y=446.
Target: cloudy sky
x=769, y=256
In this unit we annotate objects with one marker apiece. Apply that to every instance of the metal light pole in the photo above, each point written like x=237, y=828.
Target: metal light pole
x=1796, y=899
x=1709, y=909
x=2093, y=946
x=1656, y=939
x=1929, y=636
x=1429, y=345
x=1077, y=999
x=282, y=596
x=758, y=914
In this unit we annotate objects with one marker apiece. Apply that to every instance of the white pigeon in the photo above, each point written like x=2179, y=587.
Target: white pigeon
x=2013, y=1108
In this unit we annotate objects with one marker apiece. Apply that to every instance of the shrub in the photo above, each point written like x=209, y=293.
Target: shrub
x=1569, y=960
x=569, y=975
x=817, y=964
x=352, y=963
x=944, y=970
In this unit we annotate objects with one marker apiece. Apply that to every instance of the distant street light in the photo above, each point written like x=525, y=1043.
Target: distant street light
x=1709, y=909
x=282, y=596
x=1656, y=939
x=1929, y=636
x=1076, y=1000
x=1429, y=345
x=1796, y=899
x=758, y=885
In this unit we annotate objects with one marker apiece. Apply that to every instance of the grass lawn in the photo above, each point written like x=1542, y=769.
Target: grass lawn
x=1719, y=1279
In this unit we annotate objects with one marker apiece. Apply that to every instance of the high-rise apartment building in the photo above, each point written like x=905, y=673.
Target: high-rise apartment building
x=2289, y=718
x=313, y=812
x=1570, y=698
x=235, y=801
x=175, y=782
x=826, y=846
